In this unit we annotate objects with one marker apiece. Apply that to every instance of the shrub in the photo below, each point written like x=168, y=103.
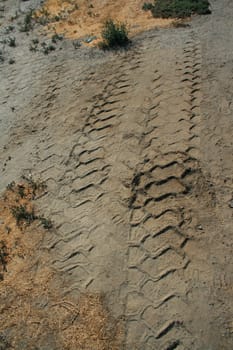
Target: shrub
x=76, y=44
x=11, y=186
x=28, y=22
x=11, y=61
x=35, y=41
x=47, y=48
x=22, y=214
x=179, y=8
x=147, y=6
x=34, y=45
x=114, y=34
x=12, y=41
x=56, y=37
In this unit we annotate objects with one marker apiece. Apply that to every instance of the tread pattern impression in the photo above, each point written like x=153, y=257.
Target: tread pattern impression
x=157, y=306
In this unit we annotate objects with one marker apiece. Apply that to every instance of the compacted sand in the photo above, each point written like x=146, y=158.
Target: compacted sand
x=134, y=151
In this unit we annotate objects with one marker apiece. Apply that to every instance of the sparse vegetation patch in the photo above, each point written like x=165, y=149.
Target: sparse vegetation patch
x=177, y=8
x=28, y=22
x=17, y=213
x=22, y=214
x=21, y=195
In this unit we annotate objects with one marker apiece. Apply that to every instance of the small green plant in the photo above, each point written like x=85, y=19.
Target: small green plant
x=3, y=254
x=28, y=22
x=147, y=6
x=46, y=223
x=34, y=45
x=43, y=20
x=56, y=37
x=11, y=41
x=178, y=8
x=56, y=18
x=35, y=41
x=9, y=29
x=47, y=48
x=11, y=61
x=11, y=186
x=22, y=214
x=76, y=44
x=33, y=48
x=114, y=35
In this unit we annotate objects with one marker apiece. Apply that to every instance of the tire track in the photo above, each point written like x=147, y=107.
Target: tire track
x=161, y=223
x=84, y=200
x=192, y=81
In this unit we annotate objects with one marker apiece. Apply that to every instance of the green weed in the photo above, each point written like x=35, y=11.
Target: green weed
x=114, y=35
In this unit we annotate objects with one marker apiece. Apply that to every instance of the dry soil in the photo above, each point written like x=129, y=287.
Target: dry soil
x=135, y=147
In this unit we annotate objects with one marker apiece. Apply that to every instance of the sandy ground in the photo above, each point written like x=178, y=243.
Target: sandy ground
x=135, y=148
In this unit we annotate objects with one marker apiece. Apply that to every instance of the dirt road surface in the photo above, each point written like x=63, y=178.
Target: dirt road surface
x=136, y=150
